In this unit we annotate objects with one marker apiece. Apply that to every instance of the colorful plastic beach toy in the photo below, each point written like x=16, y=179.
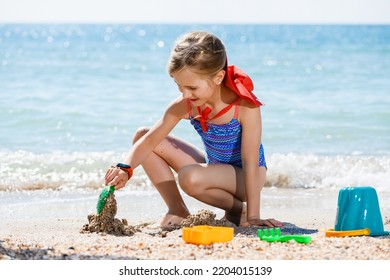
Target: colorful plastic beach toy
x=358, y=232
x=358, y=213
x=274, y=235
x=205, y=235
x=103, y=198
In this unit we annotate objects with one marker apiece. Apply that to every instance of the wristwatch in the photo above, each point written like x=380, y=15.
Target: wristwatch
x=127, y=168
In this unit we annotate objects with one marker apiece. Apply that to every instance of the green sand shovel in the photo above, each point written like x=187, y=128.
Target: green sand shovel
x=103, y=198
x=274, y=235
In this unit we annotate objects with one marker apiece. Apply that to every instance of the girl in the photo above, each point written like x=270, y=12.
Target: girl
x=218, y=101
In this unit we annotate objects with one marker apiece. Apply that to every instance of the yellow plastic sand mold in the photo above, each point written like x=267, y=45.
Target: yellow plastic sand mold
x=344, y=233
x=205, y=235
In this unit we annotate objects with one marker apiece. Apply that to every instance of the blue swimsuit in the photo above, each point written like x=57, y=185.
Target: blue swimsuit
x=222, y=142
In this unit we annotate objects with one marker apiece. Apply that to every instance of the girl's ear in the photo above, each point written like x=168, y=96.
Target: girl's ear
x=218, y=78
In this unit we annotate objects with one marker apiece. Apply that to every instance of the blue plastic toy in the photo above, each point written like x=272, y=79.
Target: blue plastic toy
x=358, y=209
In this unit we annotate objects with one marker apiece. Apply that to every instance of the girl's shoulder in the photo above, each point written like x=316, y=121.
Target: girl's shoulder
x=245, y=105
x=247, y=110
x=178, y=107
x=179, y=103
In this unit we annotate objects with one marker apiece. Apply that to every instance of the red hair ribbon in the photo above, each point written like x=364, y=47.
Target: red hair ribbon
x=238, y=81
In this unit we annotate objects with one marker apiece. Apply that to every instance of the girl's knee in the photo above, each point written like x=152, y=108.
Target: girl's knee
x=141, y=131
x=190, y=180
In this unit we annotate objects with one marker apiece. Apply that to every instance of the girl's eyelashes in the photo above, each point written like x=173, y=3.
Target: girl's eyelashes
x=185, y=87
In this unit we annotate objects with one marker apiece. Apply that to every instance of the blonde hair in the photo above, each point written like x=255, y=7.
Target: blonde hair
x=201, y=51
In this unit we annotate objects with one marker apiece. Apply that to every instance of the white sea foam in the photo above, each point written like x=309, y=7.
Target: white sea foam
x=314, y=171
x=25, y=171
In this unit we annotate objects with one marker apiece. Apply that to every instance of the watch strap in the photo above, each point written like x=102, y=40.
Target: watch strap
x=127, y=168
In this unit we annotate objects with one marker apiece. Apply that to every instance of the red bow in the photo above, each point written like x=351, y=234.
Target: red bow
x=204, y=115
x=241, y=84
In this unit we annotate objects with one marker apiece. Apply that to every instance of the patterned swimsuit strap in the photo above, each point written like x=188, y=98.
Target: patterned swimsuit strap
x=204, y=115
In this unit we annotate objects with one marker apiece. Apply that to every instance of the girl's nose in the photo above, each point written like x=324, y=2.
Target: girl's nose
x=186, y=93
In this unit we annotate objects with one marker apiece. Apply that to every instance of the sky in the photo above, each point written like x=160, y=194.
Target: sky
x=196, y=11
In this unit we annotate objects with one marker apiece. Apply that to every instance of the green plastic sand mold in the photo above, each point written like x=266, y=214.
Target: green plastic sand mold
x=103, y=198
x=274, y=235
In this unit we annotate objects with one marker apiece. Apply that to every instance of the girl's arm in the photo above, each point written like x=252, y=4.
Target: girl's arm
x=251, y=139
x=176, y=111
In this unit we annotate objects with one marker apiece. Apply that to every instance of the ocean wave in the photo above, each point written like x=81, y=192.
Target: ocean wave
x=315, y=171
x=25, y=171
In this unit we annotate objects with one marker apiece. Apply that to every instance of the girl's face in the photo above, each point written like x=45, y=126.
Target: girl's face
x=196, y=87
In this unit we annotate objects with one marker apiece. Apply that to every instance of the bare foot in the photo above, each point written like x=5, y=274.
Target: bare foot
x=243, y=220
x=171, y=220
x=237, y=219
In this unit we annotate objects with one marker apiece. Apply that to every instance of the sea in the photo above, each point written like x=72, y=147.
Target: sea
x=72, y=95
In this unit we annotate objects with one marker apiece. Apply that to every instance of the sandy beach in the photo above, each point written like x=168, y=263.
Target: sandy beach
x=59, y=238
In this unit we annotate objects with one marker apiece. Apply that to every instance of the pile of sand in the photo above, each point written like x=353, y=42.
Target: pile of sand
x=205, y=217
x=105, y=222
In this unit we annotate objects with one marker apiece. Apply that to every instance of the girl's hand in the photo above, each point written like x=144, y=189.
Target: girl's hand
x=255, y=221
x=117, y=177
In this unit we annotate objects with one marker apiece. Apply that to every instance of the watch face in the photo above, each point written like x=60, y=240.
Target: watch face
x=122, y=165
